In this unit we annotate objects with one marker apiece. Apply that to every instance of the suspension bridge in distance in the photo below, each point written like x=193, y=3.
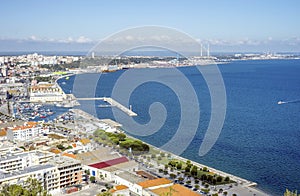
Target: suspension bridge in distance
x=112, y=102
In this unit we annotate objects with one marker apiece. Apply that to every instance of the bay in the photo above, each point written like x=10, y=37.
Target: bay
x=260, y=139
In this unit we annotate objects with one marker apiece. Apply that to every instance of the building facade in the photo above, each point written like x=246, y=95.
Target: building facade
x=46, y=93
x=28, y=131
x=53, y=171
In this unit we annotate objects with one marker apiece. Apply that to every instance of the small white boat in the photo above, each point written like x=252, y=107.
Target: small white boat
x=280, y=102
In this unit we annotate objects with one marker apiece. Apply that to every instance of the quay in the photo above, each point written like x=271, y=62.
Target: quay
x=112, y=102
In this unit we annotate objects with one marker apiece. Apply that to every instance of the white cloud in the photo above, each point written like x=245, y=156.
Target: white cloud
x=34, y=38
x=83, y=39
x=169, y=41
x=224, y=42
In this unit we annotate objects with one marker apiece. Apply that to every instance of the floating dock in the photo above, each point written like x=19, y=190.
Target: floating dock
x=112, y=102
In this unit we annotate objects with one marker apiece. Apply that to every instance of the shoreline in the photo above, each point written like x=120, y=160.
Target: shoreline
x=246, y=185
x=249, y=186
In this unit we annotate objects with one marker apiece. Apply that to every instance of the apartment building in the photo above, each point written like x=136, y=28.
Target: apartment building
x=70, y=170
x=28, y=131
x=55, y=172
x=47, y=174
x=11, y=161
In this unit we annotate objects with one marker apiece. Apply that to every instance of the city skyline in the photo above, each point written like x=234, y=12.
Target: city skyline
x=231, y=26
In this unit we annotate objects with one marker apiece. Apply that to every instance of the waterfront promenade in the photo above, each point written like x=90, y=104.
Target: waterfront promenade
x=243, y=187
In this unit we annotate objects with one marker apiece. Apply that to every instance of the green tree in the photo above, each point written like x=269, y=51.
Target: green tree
x=187, y=169
x=227, y=179
x=219, y=179
x=194, y=170
x=205, y=190
x=61, y=147
x=87, y=172
x=22, y=147
x=203, y=177
x=121, y=136
x=115, y=140
x=214, y=181
x=172, y=175
x=92, y=179
x=209, y=178
x=166, y=166
x=32, y=187
x=105, y=194
x=14, y=190
x=172, y=163
x=179, y=166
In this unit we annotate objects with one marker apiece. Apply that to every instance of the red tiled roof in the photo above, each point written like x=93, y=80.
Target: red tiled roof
x=55, y=150
x=118, y=188
x=69, y=155
x=155, y=182
x=2, y=132
x=109, y=163
x=176, y=189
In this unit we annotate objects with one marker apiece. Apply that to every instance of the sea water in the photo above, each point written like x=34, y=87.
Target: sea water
x=260, y=139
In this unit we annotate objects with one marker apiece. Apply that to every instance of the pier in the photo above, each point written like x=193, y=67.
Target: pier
x=112, y=102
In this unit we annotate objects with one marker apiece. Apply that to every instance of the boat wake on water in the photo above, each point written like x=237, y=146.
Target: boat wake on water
x=284, y=102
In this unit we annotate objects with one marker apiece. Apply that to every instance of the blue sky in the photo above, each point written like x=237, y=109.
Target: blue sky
x=228, y=25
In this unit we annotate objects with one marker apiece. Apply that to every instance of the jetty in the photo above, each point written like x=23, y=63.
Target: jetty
x=112, y=102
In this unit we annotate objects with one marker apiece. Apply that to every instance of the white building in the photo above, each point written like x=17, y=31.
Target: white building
x=48, y=175
x=28, y=131
x=70, y=171
x=130, y=180
x=11, y=161
x=46, y=93
x=53, y=171
x=7, y=147
x=107, y=170
x=82, y=146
